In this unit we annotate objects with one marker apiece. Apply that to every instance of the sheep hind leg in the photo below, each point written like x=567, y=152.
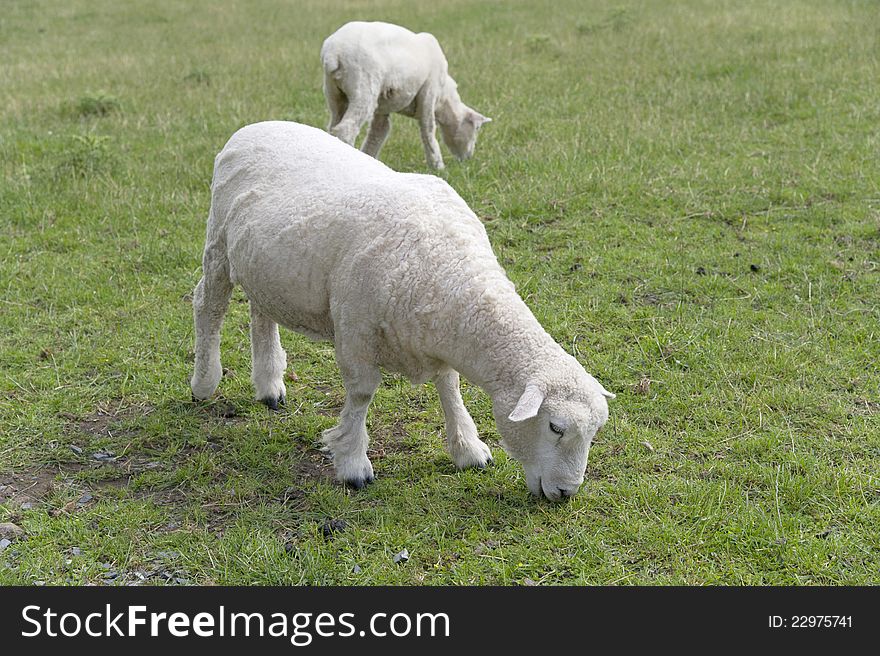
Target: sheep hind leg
x=380, y=126
x=337, y=102
x=348, y=440
x=210, y=302
x=360, y=109
x=462, y=442
x=268, y=360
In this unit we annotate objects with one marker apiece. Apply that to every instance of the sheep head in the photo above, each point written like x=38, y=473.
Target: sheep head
x=459, y=124
x=550, y=427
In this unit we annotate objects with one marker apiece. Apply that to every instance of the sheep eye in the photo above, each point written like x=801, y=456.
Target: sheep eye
x=556, y=429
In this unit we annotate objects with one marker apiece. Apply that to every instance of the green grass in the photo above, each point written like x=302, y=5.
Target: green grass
x=685, y=193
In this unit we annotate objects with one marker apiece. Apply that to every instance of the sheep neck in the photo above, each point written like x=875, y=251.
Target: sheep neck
x=501, y=346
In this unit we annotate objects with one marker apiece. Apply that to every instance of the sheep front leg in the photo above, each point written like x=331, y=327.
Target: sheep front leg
x=268, y=360
x=210, y=301
x=428, y=129
x=378, y=133
x=462, y=442
x=348, y=440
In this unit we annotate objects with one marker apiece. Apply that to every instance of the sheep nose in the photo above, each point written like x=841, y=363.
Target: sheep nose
x=565, y=493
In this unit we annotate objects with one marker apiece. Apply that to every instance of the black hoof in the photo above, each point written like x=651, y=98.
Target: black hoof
x=359, y=483
x=274, y=404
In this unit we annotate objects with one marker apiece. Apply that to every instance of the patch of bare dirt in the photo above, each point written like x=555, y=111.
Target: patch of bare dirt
x=660, y=298
x=384, y=441
x=26, y=488
x=312, y=465
x=107, y=418
x=222, y=409
x=643, y=386
x=31, y=486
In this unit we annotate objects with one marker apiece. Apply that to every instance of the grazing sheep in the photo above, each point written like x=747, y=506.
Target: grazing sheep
x=398, y=272
x=374, y=69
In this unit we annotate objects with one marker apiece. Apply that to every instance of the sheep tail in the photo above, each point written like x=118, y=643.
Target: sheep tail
x=332, y=67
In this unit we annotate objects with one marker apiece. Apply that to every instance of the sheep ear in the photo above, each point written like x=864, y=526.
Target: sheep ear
x=604, y=392
x=478, y=119
x=528, y=405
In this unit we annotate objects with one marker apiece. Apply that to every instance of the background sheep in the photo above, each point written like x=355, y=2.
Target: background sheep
x=399, y=273
x=374, y=69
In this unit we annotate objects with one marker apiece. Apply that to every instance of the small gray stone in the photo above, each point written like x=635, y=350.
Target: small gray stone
x=27, y=505
x=75, y=551
x=401, y=556
x=356, y=569
x=76, y=449
x=4, y=543
x=10, y=531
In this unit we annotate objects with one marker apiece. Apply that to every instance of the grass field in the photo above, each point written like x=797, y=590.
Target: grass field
x=686, y=194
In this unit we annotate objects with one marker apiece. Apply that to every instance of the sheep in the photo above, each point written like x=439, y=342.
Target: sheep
x=374, y=69
x=398, y=272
